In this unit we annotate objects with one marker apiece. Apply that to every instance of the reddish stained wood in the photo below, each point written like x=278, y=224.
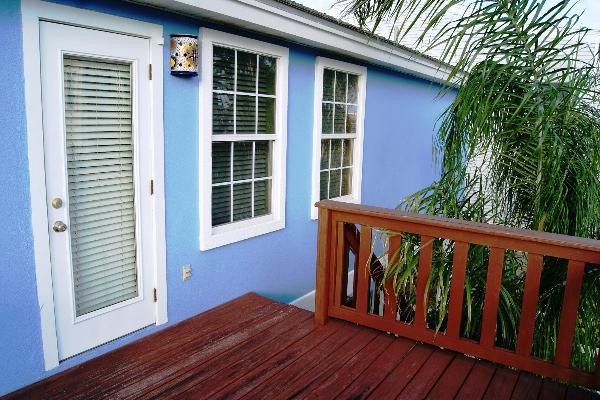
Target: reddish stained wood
x=363, y=274
x=283, y=357
x=552, y=390
x=341, y=271
x=477, y=382
x=323, y=269
x=452, y=380
x=334, y=362
x=329, y=386
x=390, y=309
x=427, y=377
x=546, y=243
x=457, y=288
x=425, y=256
x=530, y=303
x=568, y=315
x=179, y=373
x=265, y=370
x=574, y=393
x=527, y=387
x=285, y=378
x=466, y=346
x=502, y=384
x=207, y=389
x=368, y=380
x=108, y=369
x=492, y=297
x=404, y=372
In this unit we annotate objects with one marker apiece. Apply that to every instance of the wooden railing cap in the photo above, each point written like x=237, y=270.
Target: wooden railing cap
x=462, y=225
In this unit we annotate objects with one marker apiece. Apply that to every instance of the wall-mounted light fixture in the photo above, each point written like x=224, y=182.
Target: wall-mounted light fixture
x=184, y=54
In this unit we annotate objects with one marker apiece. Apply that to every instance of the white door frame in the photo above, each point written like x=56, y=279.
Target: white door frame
x=34, y=11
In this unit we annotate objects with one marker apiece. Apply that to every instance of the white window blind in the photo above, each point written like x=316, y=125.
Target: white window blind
x=243, y=103
x=98, y=123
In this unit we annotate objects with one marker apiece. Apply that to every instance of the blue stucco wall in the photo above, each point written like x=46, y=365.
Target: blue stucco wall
x=400, y=116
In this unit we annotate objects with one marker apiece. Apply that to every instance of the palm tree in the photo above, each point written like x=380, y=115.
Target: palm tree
x=518, y=146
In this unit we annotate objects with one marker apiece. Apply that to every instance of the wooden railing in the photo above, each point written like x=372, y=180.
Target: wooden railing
x=338, y=221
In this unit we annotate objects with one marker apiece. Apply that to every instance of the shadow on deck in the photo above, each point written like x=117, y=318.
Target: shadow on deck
x=255, y=348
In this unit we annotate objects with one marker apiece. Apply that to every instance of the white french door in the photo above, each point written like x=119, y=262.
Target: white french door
x=96, y=100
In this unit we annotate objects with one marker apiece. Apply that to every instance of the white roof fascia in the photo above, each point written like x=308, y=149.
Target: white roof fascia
x=279, y=20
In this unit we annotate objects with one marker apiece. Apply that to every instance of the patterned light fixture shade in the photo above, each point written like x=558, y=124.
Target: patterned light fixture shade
x=184, y=54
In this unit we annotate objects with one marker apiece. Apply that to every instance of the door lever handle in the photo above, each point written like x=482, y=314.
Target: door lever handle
x=59, y=226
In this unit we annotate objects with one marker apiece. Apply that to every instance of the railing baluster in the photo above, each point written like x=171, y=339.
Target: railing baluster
x=323, y=284
x=363, y=275
x=568, y=315
x=425, y=255
x=457, y=288
x=391, y=302
x=340, y=269
x=339, y=236
x=492, y=297
x=530, y=303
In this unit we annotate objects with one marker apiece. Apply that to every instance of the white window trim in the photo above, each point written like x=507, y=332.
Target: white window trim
x=32, y=12
x=320, y=66
x=212, y=237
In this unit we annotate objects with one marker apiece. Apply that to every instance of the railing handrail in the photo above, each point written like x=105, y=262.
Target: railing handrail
x=332, y=268
x=553, y=239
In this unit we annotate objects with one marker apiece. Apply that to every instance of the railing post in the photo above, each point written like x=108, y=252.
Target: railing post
x=323, y=267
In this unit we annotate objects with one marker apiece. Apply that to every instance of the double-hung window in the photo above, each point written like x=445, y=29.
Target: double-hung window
x=243, y=131
x=338, y=131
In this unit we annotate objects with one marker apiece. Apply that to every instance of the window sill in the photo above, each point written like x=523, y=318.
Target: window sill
x=231, y=233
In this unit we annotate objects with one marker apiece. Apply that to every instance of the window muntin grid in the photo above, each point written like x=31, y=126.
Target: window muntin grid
x=339, y=107
x=243, y=104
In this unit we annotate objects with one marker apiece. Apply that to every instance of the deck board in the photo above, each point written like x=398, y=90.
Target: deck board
x=255, y=348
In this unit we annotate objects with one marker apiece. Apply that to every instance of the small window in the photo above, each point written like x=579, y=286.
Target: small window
x=338, y=131
x=244, y=84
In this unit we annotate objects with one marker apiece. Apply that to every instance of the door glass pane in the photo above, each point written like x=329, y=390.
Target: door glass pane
x=99, y=147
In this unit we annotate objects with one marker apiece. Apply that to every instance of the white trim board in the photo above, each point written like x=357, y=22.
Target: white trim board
x=34, y=11
x=212, y=237
x=277, y=19
x=321, y=64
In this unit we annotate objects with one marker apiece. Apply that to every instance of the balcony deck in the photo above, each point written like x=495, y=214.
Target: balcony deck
x=255, y=348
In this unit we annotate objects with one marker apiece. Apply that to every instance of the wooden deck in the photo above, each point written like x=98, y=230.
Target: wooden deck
x=255, y=348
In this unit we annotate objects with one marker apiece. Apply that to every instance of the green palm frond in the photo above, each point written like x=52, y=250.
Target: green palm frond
x=527, y=113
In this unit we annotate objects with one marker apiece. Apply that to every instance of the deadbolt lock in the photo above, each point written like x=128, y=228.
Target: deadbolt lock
x=57, y=202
